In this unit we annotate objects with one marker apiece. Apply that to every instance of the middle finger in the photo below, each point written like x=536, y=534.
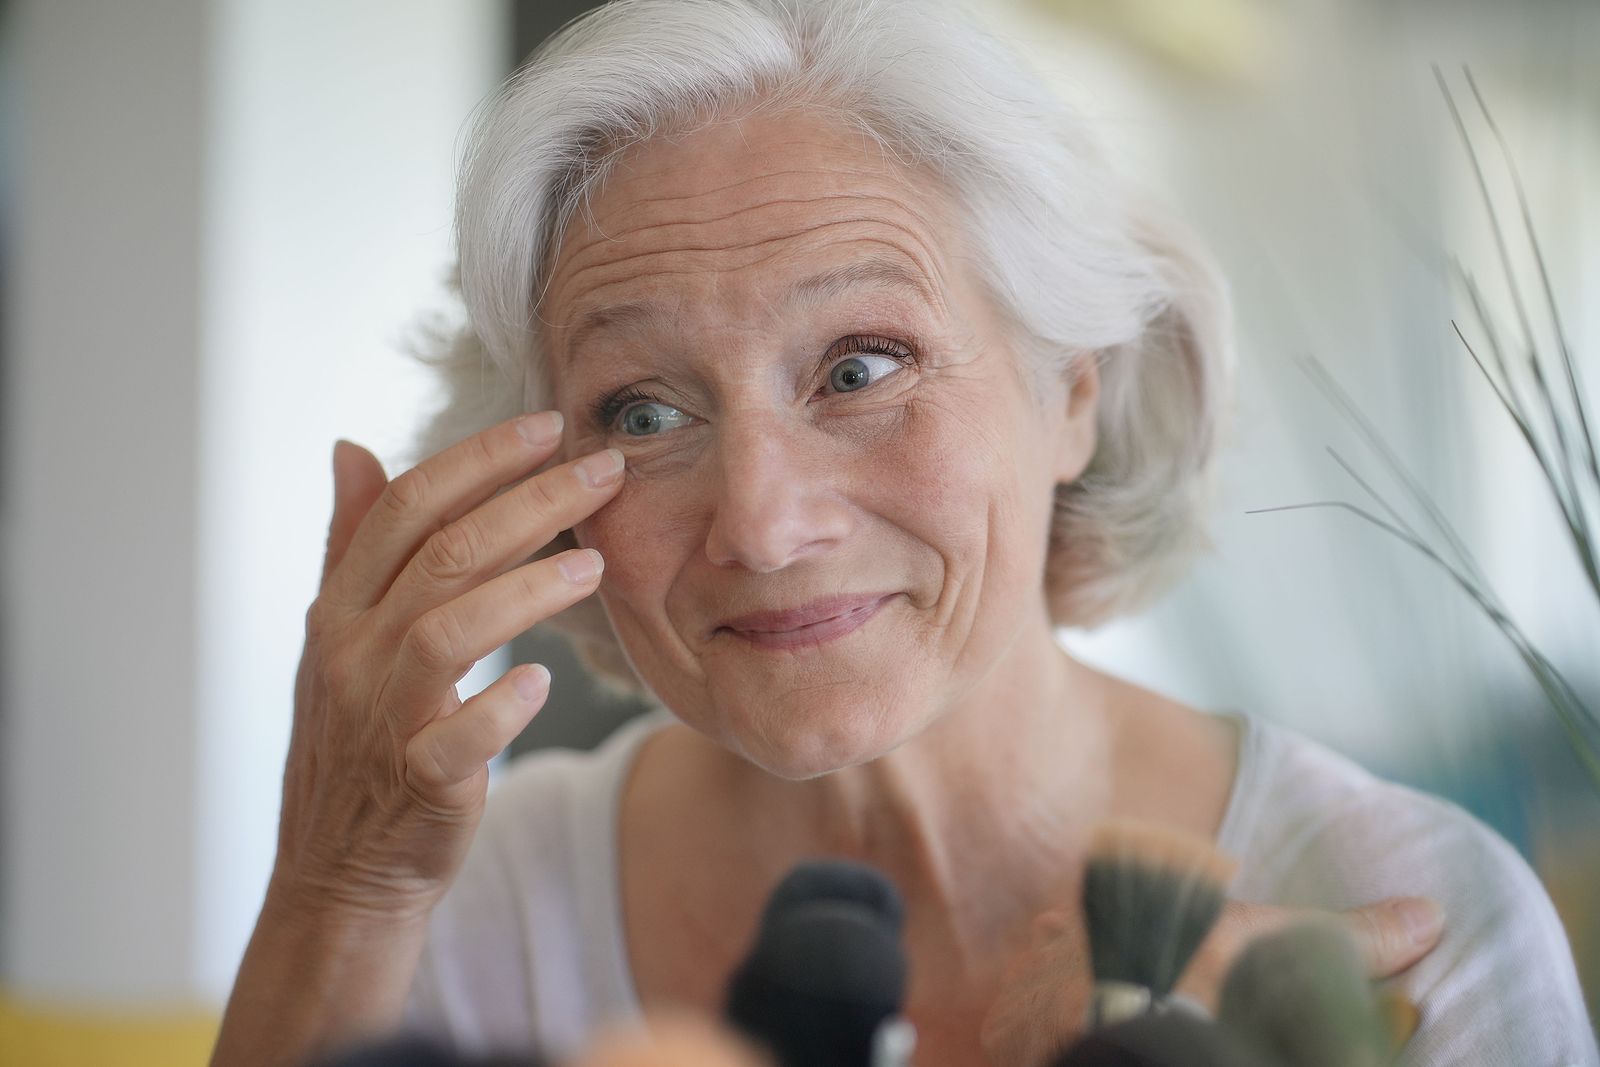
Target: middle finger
x=500, y=534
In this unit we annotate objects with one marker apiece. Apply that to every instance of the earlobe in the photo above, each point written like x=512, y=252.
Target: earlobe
x=1079, y=430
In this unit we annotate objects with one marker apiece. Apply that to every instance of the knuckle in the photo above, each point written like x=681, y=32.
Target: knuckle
x=406, y=495
x=539, y=499
x=436, y=642
x=317, y=621
x=1048, y=926
x=425, y=761
x=452, y=553
x=1379, y=937
x=538, y=584
x=488, y=725
x=341, y=670
x=483, y=451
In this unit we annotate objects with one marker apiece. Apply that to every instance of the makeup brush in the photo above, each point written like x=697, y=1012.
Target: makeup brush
x=1302, y=997
x=1172, y=1040
x=1150, y=896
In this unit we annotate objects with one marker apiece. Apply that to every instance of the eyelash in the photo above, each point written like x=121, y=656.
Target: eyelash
x=604, y=411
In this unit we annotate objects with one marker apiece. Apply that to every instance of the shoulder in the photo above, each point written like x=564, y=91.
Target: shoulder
x=1315, y=826
x=1313, y=823
x=516, y=949
x=1317, y=830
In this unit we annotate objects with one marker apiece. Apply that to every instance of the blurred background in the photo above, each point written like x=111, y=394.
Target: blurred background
x=223, y=223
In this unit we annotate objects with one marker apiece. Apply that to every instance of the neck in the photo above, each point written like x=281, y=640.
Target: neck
x=981, y=819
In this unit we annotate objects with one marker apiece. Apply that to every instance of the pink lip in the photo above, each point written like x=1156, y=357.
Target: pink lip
x=811, y=624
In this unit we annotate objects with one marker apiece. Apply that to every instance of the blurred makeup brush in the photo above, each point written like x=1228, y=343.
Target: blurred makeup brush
x=1150, y=896
x=1176, y=1039
x=676, y=1040
x=1301, y=997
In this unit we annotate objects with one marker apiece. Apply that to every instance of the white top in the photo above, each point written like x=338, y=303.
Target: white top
x=527, y=947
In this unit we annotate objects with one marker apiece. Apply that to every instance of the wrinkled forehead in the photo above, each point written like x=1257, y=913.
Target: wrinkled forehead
x=740, y=213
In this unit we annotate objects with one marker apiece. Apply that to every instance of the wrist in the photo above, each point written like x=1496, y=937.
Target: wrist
x=326, y=907
x=318, y=974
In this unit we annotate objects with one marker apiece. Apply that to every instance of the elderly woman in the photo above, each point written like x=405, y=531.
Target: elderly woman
x=816, y=340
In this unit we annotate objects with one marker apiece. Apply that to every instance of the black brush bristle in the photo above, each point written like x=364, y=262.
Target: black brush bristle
x=1150, y=897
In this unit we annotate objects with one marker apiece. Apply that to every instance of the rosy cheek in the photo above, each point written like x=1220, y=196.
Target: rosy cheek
x=634, y=533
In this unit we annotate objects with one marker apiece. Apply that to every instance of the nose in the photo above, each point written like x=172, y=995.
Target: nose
x=778, y=498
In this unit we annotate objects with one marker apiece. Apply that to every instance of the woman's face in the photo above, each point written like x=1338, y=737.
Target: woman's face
x=838, y=491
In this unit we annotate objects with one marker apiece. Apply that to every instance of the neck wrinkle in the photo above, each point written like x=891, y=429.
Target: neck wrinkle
x=982, y=819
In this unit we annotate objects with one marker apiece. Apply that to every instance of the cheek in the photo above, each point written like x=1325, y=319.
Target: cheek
x=644, y=536
x=973, y=480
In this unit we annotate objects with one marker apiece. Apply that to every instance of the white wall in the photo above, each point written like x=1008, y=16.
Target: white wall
x=232, y=213
x=101, y=507
x=333, y=131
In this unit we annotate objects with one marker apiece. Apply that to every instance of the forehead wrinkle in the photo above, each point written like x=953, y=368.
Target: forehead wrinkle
x=638, y=205
x=927, y=262
x=641, y=316
x=651, y=227
x=916, y=239
x=600, y=241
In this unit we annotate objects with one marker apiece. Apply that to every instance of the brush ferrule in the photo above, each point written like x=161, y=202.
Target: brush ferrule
x=1115, y=1002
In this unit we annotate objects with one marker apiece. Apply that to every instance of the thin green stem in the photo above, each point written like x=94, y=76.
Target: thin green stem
x=1567, y=489
x=1569, y=365
x=1331, y=387
x=1578, y=720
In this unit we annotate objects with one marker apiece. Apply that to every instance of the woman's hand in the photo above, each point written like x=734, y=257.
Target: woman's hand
x=1045, y=992
x=424, y=576
x=387, y=769
x=1392, y=935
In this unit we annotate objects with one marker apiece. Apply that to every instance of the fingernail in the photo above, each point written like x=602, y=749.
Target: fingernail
x=540, y=428
x=600, y=469
x=580, y=567
x=1421, y=918
x=532, y=680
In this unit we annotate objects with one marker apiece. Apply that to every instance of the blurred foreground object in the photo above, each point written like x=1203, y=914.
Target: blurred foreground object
x=672, y=1041
x=824, y=983
x=1301, y=996
x=1150, y=897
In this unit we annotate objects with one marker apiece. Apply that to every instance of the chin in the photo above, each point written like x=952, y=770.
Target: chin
x=807, y=736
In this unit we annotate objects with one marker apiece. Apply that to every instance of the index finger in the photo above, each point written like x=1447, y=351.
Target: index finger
x=433, y=494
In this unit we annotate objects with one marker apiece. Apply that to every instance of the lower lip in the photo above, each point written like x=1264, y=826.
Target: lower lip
x=817, y=633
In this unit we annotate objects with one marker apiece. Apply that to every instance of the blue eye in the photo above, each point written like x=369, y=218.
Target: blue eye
x=644, y=419
x=858, y=372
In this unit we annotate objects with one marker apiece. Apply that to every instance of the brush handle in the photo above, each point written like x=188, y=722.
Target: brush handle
x=894, y=1042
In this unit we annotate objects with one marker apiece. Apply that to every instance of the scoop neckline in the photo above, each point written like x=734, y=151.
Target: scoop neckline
x=1232, y=835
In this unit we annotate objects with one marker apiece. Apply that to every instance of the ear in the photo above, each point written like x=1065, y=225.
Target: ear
x=1078, y=431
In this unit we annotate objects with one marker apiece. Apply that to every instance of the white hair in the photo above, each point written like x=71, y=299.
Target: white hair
x=1066, y=253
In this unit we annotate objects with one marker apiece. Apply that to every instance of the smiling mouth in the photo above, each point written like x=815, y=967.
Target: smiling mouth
x=813, y=625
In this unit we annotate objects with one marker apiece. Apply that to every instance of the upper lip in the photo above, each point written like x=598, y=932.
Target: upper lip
x=806, y=615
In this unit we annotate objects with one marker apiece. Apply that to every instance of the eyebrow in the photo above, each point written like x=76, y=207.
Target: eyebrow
x=880, y=271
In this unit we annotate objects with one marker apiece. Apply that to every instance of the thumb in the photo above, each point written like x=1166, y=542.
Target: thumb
x=1395, y=933
x=358, y=481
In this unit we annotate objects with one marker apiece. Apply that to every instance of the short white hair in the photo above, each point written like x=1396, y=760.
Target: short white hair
x=1077, y=263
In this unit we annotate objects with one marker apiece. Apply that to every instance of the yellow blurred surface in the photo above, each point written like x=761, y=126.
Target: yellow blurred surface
x=48, y=1036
